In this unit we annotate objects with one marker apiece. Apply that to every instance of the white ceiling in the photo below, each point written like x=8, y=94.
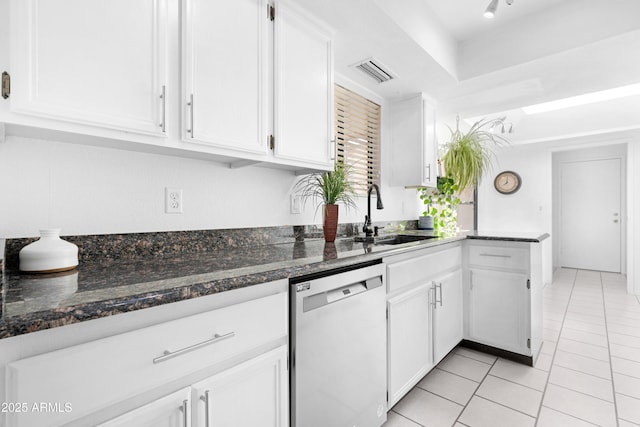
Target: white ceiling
x=532, y=51
x=463, y=18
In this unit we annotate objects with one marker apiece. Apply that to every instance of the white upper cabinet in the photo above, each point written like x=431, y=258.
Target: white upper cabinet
x=242, y=81
x=303, y=89
x=225, y=74
x=415, y=149
x=92, y=62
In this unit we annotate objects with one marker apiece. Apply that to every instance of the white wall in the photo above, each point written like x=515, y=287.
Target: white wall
x=529, y=209
x=633, y=218
x=93, y=190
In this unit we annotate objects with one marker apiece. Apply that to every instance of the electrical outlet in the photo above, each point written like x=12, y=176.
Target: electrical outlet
x=172, y=200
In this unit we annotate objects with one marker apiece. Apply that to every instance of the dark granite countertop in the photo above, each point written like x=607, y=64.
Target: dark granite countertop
x=508, y=236
x=30, y=303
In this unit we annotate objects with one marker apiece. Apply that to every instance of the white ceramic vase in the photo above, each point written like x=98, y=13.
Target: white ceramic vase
x=49, y=254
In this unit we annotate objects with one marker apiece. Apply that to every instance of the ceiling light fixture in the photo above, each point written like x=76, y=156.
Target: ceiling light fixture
x=490, y=11
x=588, y=98
x=500, y=123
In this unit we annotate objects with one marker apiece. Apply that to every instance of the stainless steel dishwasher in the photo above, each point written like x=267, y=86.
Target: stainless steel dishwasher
x=339, y=349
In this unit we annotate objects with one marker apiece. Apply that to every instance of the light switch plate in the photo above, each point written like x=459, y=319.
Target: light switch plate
x=296, y=204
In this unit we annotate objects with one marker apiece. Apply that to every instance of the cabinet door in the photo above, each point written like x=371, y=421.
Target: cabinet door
x=94, y=62
x=303, y=90
x=429, y=146
x=225, y=74
x=413, y=121
x=447, y=315
x=409, y=341
x=173, y=410
x=499, y=309
x=254, y=393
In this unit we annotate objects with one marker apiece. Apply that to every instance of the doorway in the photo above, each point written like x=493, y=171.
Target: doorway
x=590, y=200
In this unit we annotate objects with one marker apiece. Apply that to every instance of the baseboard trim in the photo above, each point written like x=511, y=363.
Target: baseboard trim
x=516, y=357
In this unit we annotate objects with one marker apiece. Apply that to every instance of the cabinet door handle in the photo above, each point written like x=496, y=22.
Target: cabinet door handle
x=496, y=255
x=205, y=399
x=439, y=285
x=163, y=96
x=185, y=415
x=171, y=354
x=190, y=104
x=432, y=295
x=432, y=319
x=429, y=169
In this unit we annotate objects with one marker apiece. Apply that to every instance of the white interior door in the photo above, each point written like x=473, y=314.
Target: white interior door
x=590, y=214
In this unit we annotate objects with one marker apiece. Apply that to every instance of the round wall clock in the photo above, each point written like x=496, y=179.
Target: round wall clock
x=507, y=182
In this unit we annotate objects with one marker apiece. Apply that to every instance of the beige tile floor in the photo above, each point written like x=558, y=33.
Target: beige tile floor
x=588, y=371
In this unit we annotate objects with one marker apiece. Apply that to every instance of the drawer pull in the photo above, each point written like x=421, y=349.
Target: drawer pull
x=496, y=255
x=169, y=355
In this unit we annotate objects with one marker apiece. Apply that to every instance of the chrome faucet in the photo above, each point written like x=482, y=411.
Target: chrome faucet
x=367, y=219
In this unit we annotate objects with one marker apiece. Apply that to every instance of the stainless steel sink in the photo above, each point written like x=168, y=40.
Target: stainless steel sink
x=401, y=238
x=393, y=239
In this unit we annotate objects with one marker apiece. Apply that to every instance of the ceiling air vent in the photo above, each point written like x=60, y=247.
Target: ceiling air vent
x=374, y=69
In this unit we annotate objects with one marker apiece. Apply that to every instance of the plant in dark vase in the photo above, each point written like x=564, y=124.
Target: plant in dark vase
x=327, y=189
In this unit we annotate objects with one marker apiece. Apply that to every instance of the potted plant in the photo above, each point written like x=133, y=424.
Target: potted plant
x=467, y=156
x=329, y=188
x=441, y=204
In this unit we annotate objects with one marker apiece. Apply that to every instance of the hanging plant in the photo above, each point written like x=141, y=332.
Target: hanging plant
x=468, y=156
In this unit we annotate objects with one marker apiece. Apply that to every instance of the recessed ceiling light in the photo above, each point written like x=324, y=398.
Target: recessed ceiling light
x=588, y=98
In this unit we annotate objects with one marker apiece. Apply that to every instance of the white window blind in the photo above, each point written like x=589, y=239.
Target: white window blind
x=357, y=121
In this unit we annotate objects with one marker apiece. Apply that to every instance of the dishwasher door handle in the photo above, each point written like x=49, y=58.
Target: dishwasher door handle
x=321, y=299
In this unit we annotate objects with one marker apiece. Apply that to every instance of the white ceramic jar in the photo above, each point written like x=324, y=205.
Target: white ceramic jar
x=49, y=254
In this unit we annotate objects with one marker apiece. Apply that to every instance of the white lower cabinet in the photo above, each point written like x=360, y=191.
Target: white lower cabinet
x=251, y=394
x=503, y=296
x=447, y=314
x=424, y=311
x=122, y=378
x=497, y=309
x=409, y=341
x=173, y=410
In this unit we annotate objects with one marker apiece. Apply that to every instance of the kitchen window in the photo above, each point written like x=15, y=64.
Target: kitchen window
x=357, y=128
